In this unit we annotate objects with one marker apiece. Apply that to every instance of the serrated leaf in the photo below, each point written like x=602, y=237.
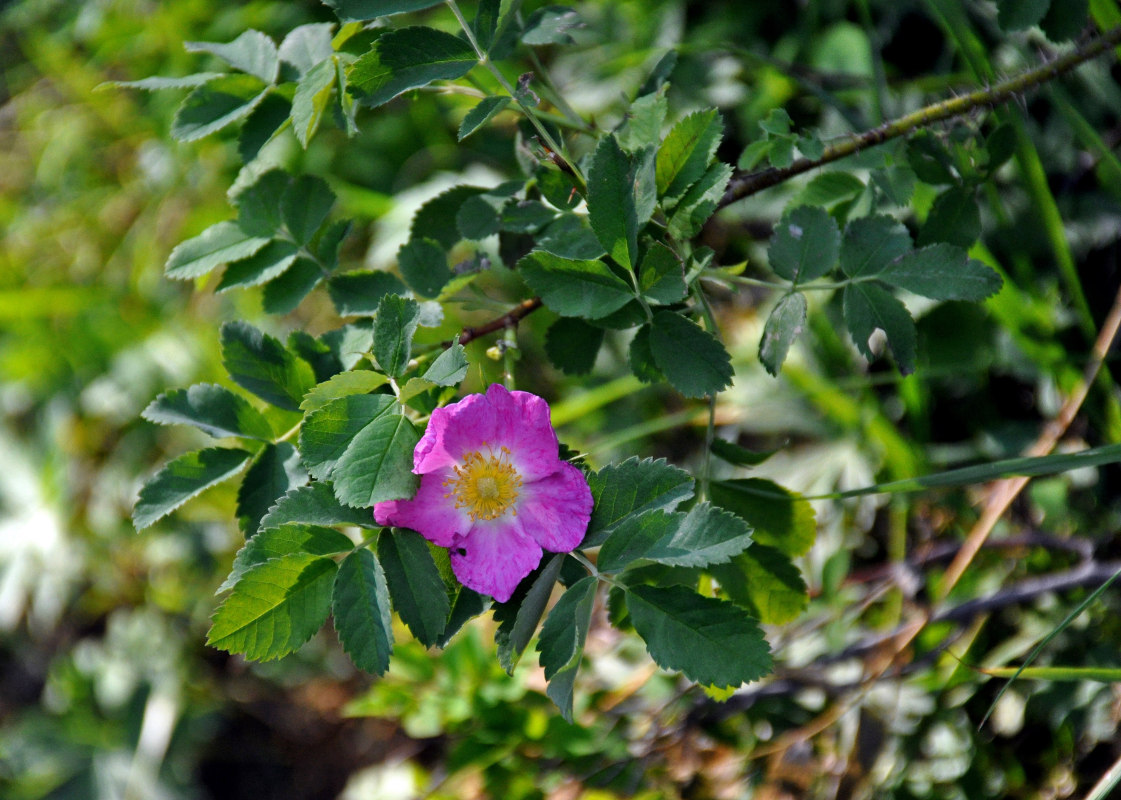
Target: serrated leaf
x=779, y=517
x=611, y=201
x=408, y=58
x=518, y=617
x=262, y=125
x=640, y=358
x=314, y=504
x=559, y=190
x=710, y=641
x=699, y=202
x=631, y=488
x=954, y=218
x=830, y=188
x=361, y=10
x=436, y=219
x=1015, y=15
x=183, y=478
x=485, y=24
x=378, y=464
x=275, y=471
x=688, y=149
x=526, y=216
x=871, y=243
x=396, y=323
x=784, y=325
x=360, y=604
x=449, y=368
x=262, y=365
x=213, y=409
x=258, y=203
x=213, y=106
x=570, y=236
x=574, y=288
x=158, y=83
x=415, y=584
x=252, y=52
x=572, y=345
x=661, y=276
x=806, y=244
x=424, y=266
x=217, y=245
x=740, y=456
x=942, y=272
x=358, y=293
x=562, y=639
x=275, y=607
x=313, y=94
x=705, y=535
x=765, y=582
x=692, y=359
x=284, y=541
x=328, y=431
x=307, y=45
x=304, y=207
x=351, y=343
x=644, y=123
x=867, y=307
x=283, y=294
x=468, y=604
x=270, y=262
x=360, y=381
x=480, y=115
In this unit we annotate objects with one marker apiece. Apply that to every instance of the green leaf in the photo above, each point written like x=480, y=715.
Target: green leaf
x=262, y=125
x=258, y=204
x=526, y=216
x=561, y=643
x=699, y=202
x=765, y=582
x=274, y=472
x=359, y=381
x=360, y=604
x=692, y=359
x=631, y=488
x=284, y=541
x=830, y=188
x=424, y=266
x=572, y=345
x=217, y=245
x=393, y=333
x=213, y=409
x=268, y=263
x=260, y=364
x=1065, y=20
x=415, y=584
x=307, y=45
x=211, y=107
x=688, y=149
x=942, y=272
x=570, y=236
x=157, y=83
x=252, y=52
x=358, y=293
x=480, y=216
x=705, y=535
x=283, y=294
x=304, y=207
x=182, y=479
x=550, y=25
x=740, y=456
x=449, y=368
x=806, y=244
x=275, y=607
x=871, y=243
x=481, y=114
x=644, y=123
x=313, y=94
x=560, y=190
x=314, y=504
x=361, y=10
x=661, y=276
x=640, y=357
x=518, y=617
x=436, y=219
x=784, y=325
x=574, y=288
x=408, y=58
x=868, y=306
x=485, y=24
x=954, y=218
x=712, y=642
x=779, y=517
x=1015, y=15
x=611, y=201
x=328, y=431
x=378, y=463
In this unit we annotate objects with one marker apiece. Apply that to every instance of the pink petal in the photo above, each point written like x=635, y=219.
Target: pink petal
x=454, y=430
x=523, y=426
x=494, y=558
x=430, y=513
x=555, y=511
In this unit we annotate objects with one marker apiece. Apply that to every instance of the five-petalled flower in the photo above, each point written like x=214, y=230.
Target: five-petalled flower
x=493, y=490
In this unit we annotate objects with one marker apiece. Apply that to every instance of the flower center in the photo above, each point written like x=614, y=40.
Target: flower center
x=486, y=485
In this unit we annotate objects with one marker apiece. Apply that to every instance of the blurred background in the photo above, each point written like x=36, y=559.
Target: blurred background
x=107, y=690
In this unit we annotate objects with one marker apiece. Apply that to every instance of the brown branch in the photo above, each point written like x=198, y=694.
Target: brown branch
x=745, y=184
x=508, y=320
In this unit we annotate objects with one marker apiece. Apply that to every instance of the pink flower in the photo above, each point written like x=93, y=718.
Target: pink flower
x=493, y=490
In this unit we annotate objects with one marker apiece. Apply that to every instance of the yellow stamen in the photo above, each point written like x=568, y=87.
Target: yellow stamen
x=486, y=485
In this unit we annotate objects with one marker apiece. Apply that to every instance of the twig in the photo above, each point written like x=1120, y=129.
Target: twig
x=508, y=320
x=744, y=184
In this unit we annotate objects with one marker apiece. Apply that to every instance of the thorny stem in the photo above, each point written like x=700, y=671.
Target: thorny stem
x=749, y=183
x=508, y=320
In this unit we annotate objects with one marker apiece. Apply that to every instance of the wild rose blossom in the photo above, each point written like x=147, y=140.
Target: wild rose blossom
x=493, y=490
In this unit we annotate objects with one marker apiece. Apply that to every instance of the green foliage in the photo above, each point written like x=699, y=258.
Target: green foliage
x=414, y=584
x=361, y=609
x=409, y=58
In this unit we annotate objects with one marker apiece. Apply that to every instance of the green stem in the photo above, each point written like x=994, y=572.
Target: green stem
x=746, y=184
